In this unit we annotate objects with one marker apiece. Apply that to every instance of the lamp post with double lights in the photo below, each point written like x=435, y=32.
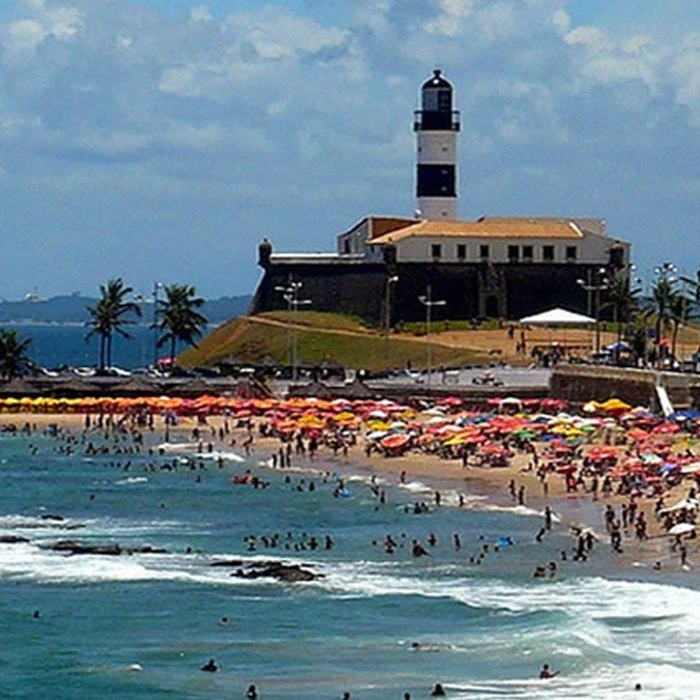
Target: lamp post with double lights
x=290, y=294
x=593, y=286
x=157, y=286
x=428, y=301
x=663, y=291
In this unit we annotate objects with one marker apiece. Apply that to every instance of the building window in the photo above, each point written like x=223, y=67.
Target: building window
x=346, y=246
x=571, y=253
x=436, y=250
x=461, y=251
x=527, y=253
x=513, y=253
x=548, y=253
x=484, y=252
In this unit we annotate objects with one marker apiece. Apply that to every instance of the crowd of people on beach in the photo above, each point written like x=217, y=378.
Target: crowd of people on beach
x=640, y=470
x=629, y=456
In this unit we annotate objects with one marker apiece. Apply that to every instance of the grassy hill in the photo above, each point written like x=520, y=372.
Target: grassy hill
x=319, y=337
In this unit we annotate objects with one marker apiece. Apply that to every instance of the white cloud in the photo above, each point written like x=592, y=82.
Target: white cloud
x=590, y=37
x=561, y=20
x=202, y=14
x=60, y=22
x=236, y=110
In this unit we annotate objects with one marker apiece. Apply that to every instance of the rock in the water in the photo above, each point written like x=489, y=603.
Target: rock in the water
x=73, y=547
x=227, y=562
x=277, y=570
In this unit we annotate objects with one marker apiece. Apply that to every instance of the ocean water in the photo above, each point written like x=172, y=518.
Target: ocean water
x=58, y=344
x=484, y=630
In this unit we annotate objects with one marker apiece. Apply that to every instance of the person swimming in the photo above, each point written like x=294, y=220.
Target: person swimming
x=211, y=666
x=438, y=691
x=547, y=672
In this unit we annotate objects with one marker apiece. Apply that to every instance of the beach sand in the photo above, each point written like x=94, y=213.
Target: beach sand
x=479, y=485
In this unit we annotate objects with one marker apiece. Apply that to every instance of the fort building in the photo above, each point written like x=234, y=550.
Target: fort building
x=496, y=267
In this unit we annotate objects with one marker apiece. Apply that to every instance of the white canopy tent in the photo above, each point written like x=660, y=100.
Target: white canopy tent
x=557, y=317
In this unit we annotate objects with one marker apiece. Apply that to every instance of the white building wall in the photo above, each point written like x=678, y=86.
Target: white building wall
x=589, y=249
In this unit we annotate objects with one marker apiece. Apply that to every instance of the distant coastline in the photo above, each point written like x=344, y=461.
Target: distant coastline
x=69, y=310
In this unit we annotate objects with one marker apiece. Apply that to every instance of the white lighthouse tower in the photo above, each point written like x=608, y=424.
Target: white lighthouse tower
x=436, y=125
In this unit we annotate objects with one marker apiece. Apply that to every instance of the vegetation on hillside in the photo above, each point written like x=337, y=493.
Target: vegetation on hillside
x=322, y=338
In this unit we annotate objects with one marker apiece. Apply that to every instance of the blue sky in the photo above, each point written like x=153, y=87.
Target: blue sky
x=160, y=140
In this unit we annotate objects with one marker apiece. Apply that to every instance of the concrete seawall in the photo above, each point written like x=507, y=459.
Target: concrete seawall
x=579, y=383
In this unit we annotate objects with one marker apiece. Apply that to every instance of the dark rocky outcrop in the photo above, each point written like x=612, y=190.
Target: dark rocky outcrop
x=273, y=569
x=13, y=539
x=228, y=562
x=73, y=547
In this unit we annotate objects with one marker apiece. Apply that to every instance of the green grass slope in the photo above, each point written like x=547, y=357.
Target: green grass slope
x=319, y=337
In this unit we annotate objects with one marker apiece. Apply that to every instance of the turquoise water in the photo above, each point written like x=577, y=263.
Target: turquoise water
x=484, y=630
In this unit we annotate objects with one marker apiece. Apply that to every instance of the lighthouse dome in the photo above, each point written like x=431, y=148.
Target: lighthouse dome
x=437, y=81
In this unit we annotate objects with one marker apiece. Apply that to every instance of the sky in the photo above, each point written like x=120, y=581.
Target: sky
x=161, y=140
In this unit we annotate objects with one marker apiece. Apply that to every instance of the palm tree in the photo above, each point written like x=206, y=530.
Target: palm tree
x=623, y=299
x=662, y=293
x=111, y=312
x=13, y=355
x=177, y=317
x=680, y=311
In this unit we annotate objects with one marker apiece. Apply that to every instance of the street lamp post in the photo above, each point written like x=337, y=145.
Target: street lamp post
x=390, y=282
x=666, y=278
x=156, y=287
x=428, y=301
x=593, y=290
x=290, y=294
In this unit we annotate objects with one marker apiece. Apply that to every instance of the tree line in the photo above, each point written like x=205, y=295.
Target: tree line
x=674, y=300
x=176, y=319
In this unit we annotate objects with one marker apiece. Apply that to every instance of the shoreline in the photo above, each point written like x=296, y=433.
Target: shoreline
x=487, y=485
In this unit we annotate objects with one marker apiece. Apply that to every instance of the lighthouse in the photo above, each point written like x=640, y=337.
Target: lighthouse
x=436, y=125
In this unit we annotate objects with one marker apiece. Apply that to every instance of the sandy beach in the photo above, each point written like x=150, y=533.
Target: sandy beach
x=480, y=486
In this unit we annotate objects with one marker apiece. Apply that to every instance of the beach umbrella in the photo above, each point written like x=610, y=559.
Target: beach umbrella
x=436, y=420
x=665, y=429
x=615, y=405
x=684, y=504
x=344, y=415
x=524, y=434
x=681, y=529
x=454, y=441
x=435, y=411
x=690, y=468
x=394, y=442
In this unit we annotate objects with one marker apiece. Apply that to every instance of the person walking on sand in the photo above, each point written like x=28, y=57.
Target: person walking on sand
x=521, y=496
